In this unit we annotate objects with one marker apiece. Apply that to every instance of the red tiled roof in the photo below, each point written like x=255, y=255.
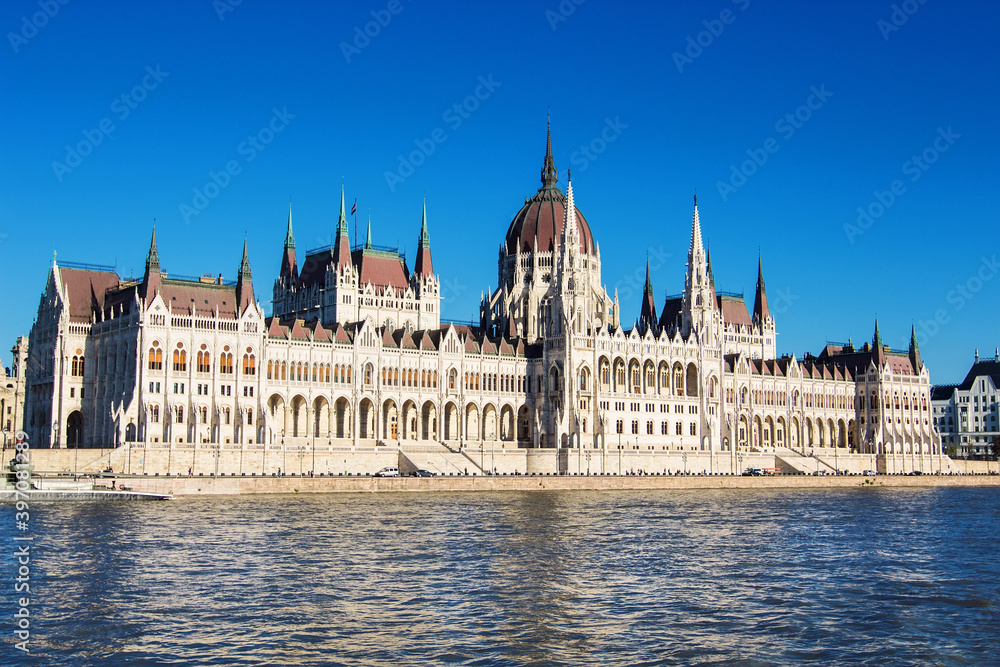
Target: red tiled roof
x=274, y=328
x=387, y=339
x=381, y=269
x=734, y=311
x=206, y=298
x=85, y=290
x=298, y=332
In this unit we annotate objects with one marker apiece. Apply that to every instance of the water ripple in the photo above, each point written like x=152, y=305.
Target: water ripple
x=770, y=577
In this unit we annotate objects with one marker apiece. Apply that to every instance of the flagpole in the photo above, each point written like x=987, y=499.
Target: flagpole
x=355, y=212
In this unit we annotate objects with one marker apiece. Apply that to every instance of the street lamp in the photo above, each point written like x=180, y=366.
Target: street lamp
x=587, y=454
x=284, y=456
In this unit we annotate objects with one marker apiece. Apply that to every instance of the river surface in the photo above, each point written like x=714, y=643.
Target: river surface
x=739, y=577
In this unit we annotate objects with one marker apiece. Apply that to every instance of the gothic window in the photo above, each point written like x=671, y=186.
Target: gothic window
x=605, y=373
x=204, y=360
x=180, y=414
x=270, y=367
x=180, y=358
x=284, y=369
x=650, y=379
x=619, y=375
x=249, y=363
x=584, y=379
x=452, y=375
x=77, y=364
x=154, y=414
x=155, y=357
x=226, y=361
x=368, y=374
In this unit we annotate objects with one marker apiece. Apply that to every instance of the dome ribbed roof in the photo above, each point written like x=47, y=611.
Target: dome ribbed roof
x=542, y=216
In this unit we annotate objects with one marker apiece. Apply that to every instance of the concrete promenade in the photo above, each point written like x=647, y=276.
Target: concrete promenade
x=183, y=486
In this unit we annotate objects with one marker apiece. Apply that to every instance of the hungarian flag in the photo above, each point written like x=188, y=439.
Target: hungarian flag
x=354, y=209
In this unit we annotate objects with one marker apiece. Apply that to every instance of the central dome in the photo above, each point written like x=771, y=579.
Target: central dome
x=541, y=218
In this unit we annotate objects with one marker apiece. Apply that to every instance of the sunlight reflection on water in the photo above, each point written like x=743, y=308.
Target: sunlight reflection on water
x=748, y=577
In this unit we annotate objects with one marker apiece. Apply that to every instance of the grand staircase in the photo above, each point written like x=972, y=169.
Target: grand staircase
x=436, y=457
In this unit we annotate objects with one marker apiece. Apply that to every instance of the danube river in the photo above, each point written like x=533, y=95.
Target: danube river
x=860, y=576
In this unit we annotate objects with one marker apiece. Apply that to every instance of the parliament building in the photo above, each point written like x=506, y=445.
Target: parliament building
x=357, y=358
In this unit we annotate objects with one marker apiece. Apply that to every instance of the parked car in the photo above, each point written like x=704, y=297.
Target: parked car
x=388, y=472
x=753, y=472
x=868, y=473
x=421, y=473
x=819, y=473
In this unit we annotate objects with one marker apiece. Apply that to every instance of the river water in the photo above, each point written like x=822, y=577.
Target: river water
x=742, y=577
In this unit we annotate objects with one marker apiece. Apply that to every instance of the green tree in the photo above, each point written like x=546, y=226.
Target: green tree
x=995, y=446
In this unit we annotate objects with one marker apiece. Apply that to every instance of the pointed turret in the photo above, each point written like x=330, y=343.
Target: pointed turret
x=423, y=265
x=549, y=173
x=368, y=237
x=342, y=244
x=915, y=351
x=711, y=276
x=571, y=228
x=151, y=277
x=647, y=315
x=761, y=312
x=878, y=349
x=244, y=284
x=289, y=268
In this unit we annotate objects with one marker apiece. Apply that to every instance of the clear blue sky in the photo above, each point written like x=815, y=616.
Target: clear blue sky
x=888, y=91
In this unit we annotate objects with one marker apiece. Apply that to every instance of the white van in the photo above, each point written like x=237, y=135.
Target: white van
x=388, y=472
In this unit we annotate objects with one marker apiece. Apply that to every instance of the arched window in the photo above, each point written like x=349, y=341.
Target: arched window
x=269, y=369
x=284, y=368
x=226, y=361
x=154, y=414
x=155, y=357
x=249, y=363
x=204, y=360
x=368, y=374
x=634, y=375
x=605, y=373
x=180, y=414
x=584, y=379
x=180, y=358
x=650, y=379
x=77, y=364
x=452, y=376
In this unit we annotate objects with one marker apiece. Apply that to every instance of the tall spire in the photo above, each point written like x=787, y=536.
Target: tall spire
x=151, y=277
x=289, y=239
x=368, y=238
x=647, y=315
x=570, y=226
x=342, y=220
x=244, y=283
x=878, y=349
x=915, y=350
x=696, y=245
x=342, y=243
x=549, y=173
x=423, y=266
x=760, y=310
x=289, y=267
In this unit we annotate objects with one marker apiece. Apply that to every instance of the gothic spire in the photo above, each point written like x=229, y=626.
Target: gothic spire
x=342, y=242
x=244, y=283
x=760, y=310
x=549, y=173
x=915, y=350
x=423, y=265
x=647, y=316
x=368, y=238
x=153, y=257
x=570, y=226
x=289, y=239
x=151, y=277
x=289, y=267
x=878, y=349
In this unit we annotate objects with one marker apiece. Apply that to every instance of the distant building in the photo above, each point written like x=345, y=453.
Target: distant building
x=12, y=392
x=966, y=415
x=355, y=352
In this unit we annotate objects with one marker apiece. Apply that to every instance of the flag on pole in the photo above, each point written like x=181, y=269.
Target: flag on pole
x=354, y=209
